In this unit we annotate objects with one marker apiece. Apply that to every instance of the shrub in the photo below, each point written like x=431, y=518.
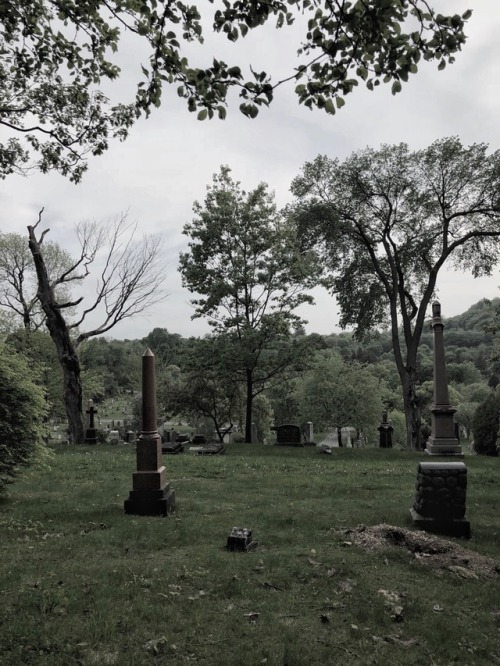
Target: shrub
x=485, y=424
x=23, y=412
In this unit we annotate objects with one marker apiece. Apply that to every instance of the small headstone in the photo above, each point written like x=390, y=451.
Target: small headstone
x=114, y=437
x=288, y=434
x=172, y=448
x=255, y=436
x=240, y=539
x=440, y=498
x=198, y=440
x=385, y=430
x=309, y=433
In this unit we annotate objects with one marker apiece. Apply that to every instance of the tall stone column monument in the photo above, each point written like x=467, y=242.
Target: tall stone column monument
x=443, y=440
x=151, y=494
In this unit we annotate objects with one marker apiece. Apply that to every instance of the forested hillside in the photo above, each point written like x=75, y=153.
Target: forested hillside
x=332, y=380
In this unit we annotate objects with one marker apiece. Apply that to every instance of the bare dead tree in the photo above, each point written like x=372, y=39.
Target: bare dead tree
x=18, y=282
x=130, y=282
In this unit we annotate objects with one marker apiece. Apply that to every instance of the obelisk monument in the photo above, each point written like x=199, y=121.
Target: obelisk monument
x=443, y=440
x=151, y=494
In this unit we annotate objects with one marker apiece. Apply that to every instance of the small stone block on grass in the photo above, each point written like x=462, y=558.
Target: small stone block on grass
x=240, y=539
x=212, y=450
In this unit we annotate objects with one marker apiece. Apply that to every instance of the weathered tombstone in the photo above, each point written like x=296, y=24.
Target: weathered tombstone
x=114, y=437
x=131, y=437
x=385, y=432
x=255, y=436
x=440, y=498
x=443, y=440
x=213, y=449
x=240, y=539
x=151, y=494
x=174, y=446
x=288, y=434
x=345, y=437
x=309, y=433
x=91, y=432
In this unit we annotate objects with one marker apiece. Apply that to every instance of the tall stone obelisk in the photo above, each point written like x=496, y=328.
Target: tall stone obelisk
x=443, y=440
x=151, y=494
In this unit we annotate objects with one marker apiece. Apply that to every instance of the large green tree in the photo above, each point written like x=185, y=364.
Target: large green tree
x=386, y=221
x=337, y=394
x=208, y=387
x=23, y=412
x=245, y=265
x=58, y=57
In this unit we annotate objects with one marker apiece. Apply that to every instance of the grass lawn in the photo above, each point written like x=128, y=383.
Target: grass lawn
x=82, y=583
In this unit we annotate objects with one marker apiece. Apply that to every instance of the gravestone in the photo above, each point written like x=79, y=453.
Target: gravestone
x=439, y=505
x=91, y=432
x=443, y=440
x=151, y=494
x=288, y=434
x=240, y=539
x=385, y=430
x=309, y=433
x=345, y=436
x=213, y=449
x=113, y=437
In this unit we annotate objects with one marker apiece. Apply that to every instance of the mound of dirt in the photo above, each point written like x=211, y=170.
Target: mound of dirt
x=430, y=550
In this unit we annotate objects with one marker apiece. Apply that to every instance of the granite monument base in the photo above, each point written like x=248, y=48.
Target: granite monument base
x=458, y=527
x=150, y=502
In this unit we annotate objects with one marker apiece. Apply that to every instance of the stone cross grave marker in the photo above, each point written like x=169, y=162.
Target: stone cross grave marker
x=91, y=432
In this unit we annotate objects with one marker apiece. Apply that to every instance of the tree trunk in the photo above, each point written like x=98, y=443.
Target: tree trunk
x=411, y=408
x=66, y=351
x=249, y=401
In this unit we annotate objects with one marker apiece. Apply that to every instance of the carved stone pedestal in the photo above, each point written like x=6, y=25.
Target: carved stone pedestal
x=439, y=505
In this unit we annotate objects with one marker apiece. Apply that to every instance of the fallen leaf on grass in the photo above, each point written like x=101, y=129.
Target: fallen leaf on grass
x=345, y=586
x=393, y=602
x=314, y=563
x=394, y=638
x=463, y=572
x=156, y=646
x=271, y=586
x=253, y=617
x=437, y=608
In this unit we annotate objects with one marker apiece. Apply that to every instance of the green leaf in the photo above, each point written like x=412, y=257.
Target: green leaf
x=202, y=114
x=396, y=87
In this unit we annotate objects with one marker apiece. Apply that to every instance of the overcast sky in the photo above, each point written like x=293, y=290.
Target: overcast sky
x=169, y=159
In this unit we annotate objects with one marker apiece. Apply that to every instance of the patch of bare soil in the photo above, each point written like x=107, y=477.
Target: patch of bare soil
x=430, y=550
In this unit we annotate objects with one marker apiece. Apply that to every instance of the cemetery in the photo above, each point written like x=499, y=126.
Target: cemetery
x=297, y=464
x=270, y=553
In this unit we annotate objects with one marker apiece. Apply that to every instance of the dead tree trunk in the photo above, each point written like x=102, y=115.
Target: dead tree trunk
x=59, y=332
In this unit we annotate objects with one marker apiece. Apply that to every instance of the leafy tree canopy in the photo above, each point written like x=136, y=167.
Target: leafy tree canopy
x=386, y=221
x=56, y=54
x=23, y=412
